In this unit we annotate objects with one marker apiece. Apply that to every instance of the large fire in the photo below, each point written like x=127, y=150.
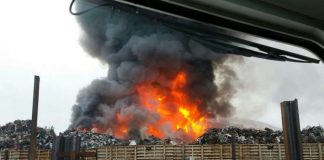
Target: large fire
x=170, y=108
x=160, y=82
x=177, y=112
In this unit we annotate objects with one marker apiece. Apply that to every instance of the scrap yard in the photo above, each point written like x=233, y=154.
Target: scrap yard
x=215, y=143
x=162, y=80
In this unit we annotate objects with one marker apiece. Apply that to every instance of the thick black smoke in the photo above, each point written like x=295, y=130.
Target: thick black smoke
x=139, y=50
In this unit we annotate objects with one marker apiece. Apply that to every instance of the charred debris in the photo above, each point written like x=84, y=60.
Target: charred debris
x=16, y=135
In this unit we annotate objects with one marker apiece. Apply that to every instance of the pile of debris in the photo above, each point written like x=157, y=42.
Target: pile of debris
x=313, y=134
x=16, y=135
x=152, y=140
x=240, y=136
x=90, y=139
x=253, y=136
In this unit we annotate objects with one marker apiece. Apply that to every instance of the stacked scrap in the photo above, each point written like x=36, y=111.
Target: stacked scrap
x=16, y=135
x=90, y=139
x=152, y=140
x=253, y=136
x=313, y=134
x=241, y=136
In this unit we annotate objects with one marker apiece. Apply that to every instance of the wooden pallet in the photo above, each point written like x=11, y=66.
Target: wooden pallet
x=311, y=151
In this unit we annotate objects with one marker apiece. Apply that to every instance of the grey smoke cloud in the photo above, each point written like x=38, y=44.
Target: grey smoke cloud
x=139, y=50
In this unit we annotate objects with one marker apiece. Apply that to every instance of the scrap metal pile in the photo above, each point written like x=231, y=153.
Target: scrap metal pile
x=241, y=136
x=16, y=135
x=90, y=139
x=252, y=136
x=313, y=134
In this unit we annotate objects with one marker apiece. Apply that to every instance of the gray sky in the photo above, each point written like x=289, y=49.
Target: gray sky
x=41, y=37
x=264, y=84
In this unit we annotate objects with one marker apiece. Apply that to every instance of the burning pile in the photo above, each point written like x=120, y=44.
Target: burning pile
x=90, y=139
x=160, y=82
x=174, y=107
x=16, y=135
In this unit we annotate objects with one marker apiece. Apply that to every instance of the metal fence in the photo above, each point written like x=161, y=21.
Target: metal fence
x=311, y=151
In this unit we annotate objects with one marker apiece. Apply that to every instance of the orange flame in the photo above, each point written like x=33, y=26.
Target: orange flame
x=175, y=109
x=122, y=129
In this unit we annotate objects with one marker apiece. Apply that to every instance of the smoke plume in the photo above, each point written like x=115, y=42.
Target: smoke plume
x=139, y=51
